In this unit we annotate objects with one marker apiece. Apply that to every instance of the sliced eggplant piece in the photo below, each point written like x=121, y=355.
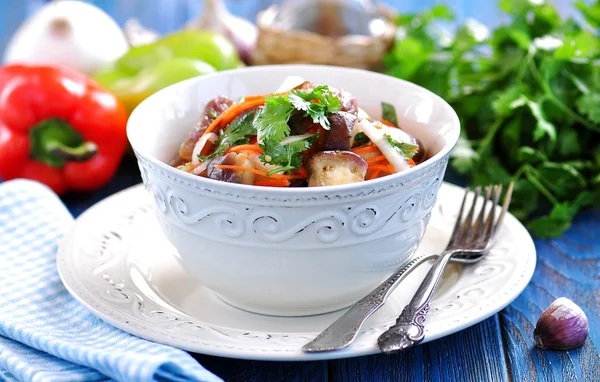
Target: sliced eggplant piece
x=211, y=111
x=339, y=136
x=329, y=168
x=230, y=176
x=300, y=123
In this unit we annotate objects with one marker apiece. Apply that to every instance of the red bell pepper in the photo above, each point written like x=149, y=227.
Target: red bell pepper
x=59, y=127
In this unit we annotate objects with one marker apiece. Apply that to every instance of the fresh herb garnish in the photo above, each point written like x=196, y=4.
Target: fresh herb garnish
x=286, y=156
x=407, y=150
x=528, y=95
x=236, y=133
x=272, y=123
x=388, y=113
x=361, y=139
x=318, y=104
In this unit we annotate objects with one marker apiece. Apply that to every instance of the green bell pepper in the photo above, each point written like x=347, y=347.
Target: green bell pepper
x=145, y=69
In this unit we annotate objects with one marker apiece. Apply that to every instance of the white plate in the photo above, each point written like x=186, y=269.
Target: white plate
x=118, y=264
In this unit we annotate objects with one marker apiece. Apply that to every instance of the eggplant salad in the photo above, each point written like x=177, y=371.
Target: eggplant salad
x=301, y=135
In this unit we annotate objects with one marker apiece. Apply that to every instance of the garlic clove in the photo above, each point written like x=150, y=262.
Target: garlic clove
x=216, y=17
x=137, y=34
x=562, y=326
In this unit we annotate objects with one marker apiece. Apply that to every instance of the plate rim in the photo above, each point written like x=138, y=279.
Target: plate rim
x=78, y=291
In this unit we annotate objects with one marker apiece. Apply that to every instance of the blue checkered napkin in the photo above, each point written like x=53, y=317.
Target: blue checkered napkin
x=45, y=335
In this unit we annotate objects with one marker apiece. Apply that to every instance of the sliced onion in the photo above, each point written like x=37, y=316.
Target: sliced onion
x=200, y=168
x=289, y=83
x=295, y=138
x=377, y=136
x=361, y=114
x=397, y=134
x=200, y=145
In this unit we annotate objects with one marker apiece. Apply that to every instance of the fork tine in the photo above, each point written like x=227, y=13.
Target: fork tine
x=479, y=229
x=490, y=221
x=459, y=220
x=466, y=229
x=505, y=205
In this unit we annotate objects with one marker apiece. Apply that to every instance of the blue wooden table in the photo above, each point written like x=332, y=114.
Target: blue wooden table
x=500, y=348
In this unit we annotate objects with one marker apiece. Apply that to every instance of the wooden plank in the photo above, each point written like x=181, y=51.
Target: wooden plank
x=474, y=354
x=259, y=371
x=567, y=267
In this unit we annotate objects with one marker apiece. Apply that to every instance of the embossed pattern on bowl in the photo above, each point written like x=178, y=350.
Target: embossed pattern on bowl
x=291, y=251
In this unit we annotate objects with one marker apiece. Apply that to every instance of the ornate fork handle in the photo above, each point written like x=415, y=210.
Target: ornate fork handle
x=409, y=328
x=345, y=329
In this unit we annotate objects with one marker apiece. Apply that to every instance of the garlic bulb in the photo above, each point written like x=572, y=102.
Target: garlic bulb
x=241, y=32
x=562, y=326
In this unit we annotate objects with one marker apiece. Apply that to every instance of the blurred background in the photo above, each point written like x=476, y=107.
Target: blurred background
x=168, y=15
x=523, y=75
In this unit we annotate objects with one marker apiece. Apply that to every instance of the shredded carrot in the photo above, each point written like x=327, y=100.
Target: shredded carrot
x=375, y=159
x=302, y=172
x=411, y=162
x=214, y=124
x=365, y=149
x=373, y=174
x=388, y=168
x=230, y=114
x=240, y=168
x=256, y=97
x=257, y=172
x=253, y=98
x=208, y=148
x=272, y=182
x=240, y=148
x=388, y=123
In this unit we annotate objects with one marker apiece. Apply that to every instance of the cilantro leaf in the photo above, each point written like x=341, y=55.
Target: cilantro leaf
x=407, y=150
x=388, y=112
x=589, y=105
x=544, y=127
x=361, y=139
x=285, y=156
x=508, y=99
x=318, y=103
x=583, y=44
x=236, y=133
x=271, y=123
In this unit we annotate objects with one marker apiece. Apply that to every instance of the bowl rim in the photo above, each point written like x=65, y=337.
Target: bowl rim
x=207, y=183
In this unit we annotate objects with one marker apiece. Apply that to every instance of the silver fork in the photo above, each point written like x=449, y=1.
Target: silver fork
x=471, y=240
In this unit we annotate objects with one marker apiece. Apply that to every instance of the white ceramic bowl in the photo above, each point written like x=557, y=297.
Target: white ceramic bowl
x=296, y=251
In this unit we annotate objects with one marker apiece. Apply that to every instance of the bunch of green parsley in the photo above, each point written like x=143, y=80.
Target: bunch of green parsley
x=528, y=96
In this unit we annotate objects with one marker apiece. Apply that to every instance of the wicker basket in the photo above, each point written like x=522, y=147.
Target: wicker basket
x=278, y=46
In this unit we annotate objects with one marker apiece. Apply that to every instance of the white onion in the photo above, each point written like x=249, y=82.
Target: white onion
x=294, y=138
x=377, y=136
x=70, y=33
x=200, y=145
x=361, y=114
x=199, y=169
x=289, y=83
